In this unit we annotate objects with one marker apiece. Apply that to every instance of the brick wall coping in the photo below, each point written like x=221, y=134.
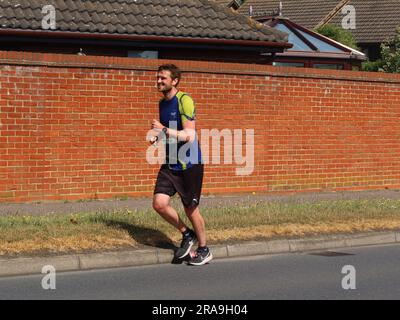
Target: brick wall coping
x=103, y=62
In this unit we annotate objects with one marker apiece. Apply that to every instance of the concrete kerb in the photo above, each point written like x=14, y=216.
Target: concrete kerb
x=21, y=266
x=76, y=262
x=118, y=259
x=370, y=239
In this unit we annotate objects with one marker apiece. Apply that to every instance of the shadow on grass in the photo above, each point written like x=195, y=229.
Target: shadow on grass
x=145, y=236
x=148, y=237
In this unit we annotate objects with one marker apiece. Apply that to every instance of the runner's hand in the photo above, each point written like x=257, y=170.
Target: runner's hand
x=155, y=124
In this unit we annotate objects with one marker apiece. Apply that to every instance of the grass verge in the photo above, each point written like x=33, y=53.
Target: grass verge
x=109, y=230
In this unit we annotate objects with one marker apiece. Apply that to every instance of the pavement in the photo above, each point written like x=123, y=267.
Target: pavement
x=207, y=201
x=151, y=255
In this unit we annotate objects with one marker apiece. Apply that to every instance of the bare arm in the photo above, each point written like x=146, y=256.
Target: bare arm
x=187, y=134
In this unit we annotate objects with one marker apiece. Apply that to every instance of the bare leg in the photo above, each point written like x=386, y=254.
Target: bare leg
x=169, y=214
x=198, y=224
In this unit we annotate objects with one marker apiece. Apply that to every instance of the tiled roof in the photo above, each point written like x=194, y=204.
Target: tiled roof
x=199, y=19
x=375, y=20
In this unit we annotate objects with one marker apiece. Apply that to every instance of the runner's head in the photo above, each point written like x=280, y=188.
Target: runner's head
x=168, y=76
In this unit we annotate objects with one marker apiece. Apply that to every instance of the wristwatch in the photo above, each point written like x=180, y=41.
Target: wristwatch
x=165, y=129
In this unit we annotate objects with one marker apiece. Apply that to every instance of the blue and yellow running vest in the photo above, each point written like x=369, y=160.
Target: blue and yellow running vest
x=173, y=113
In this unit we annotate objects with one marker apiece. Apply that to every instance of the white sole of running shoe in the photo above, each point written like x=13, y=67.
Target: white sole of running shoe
x=187, y=251
x=206, y=260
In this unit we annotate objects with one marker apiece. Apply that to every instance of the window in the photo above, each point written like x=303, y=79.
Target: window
x=289, y=64
x=328, y=66
x=143, y=54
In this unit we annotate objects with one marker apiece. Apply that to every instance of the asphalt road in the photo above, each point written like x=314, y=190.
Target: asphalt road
x=301, y=276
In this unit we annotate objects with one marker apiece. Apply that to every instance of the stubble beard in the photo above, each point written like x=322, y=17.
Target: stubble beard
x=166, y=91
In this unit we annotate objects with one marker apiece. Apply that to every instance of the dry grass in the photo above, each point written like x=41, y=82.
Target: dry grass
x=21, y=235
x=76, y=243
x=299, y=230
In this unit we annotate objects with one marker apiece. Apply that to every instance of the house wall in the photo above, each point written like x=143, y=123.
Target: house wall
x=230, y=54
x=74, y=127
x=372, y=50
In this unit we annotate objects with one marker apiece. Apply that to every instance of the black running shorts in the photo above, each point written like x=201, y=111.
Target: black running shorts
x=187, y=183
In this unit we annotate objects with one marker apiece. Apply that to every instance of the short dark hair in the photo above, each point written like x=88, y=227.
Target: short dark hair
x=175, y=71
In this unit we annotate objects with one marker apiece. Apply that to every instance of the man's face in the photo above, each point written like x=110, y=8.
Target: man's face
x=164, y=81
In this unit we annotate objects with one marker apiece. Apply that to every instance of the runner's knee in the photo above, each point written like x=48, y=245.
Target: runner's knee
x=159, y=205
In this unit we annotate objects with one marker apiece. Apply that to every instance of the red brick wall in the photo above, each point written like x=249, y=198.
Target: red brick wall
x=74, y=127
